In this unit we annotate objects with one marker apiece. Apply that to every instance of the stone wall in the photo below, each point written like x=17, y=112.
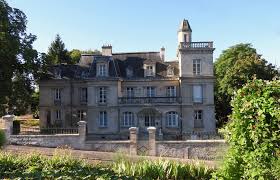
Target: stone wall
x=57, y=140
x=108, y=146
x=192, y=149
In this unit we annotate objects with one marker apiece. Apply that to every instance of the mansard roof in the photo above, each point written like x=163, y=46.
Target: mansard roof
x=118, y=65
x=185, y=26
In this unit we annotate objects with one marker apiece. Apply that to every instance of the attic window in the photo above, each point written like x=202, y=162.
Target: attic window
x=57, y=73
x=149, y=70
x=170, y=71
x=129, y=71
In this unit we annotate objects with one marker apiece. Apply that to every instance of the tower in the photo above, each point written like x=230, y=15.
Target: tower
x=184, y=32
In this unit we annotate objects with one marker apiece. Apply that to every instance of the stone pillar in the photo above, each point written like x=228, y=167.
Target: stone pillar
x=152, y=141
x=8, y=123
x=82, y=130
x=133, y=140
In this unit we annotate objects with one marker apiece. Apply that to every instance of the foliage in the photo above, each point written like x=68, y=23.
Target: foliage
x=75, y=54
x=19, y=62
x=29, y=122
x=60, y=166
x=2, y=138
x=35, y=104
x=234, y=67
x=253, y=133
x=161, y=169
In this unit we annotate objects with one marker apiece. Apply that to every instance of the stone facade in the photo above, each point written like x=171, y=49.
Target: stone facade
x=115, y=91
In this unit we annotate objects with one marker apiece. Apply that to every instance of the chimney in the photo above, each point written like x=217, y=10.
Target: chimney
x=107, y=50
x=162, y=53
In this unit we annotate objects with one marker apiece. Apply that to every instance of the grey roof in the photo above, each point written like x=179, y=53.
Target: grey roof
x=118, y=65
x=185, y=26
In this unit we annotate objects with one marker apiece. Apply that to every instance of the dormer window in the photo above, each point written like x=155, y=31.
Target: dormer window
x=101, y=70
x=129, y=72
x=57, y=73
x=149, y=70
x=170, y=71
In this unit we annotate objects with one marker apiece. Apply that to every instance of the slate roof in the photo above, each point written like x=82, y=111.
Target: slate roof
x=118, y=65
x=185, y=26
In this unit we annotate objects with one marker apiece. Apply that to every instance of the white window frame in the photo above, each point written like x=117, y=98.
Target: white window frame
x=150, y=91
x=103, y=119
x=102, y=92
x=128, y=119
x=57, y=94
x=130, y=92
x=172, y=119
x=81, y=115
x=101, y=70
x=58, y=115
x=149, y=70
x=171, y=91
x=83, y=94
x=196, y=66
x=197, y=94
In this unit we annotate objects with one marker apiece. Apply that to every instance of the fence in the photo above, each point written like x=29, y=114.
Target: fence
x=37, y=130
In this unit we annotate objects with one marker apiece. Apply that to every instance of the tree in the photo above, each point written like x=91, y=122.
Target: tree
x=253, y=133
x=19, y=62
x=57, y=52
x=233, y=69
x=75, y=54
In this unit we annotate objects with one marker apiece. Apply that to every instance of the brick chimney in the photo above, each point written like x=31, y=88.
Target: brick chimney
x=107, y=50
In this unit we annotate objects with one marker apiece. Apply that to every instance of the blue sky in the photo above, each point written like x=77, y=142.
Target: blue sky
x=147, y=25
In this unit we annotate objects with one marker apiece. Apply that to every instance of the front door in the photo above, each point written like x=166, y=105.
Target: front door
x=149, y=120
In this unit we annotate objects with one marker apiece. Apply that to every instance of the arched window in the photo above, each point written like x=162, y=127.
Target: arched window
x=128, y=119
x=172, y=119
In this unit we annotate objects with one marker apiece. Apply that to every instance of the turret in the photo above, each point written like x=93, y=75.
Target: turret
x=184, y=32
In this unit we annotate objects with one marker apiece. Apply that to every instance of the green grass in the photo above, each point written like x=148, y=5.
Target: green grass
x=63, y=166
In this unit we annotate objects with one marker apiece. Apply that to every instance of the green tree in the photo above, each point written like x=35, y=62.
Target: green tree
x=234, y=67
x=75, y=54
x=19, y=62
x=253, y=133
x=57, y=52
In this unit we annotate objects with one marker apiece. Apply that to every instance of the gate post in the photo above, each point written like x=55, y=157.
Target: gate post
x=133, y=140
x=8, y=122
x=152, y=141
x=82, y=130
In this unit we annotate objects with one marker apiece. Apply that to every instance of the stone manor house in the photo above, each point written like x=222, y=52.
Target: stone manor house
x=115, y=91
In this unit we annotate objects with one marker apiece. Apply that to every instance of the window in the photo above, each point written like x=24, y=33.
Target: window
x=196, y=66
x=101, y=70
x=130, y=92
x=81, y=115
x=185, y=37
x=149, y=120
x=57, y=95
x=171, y=91
x=129, y=71
x=128, y=119
x=149, y=70
x=151, y=91
x=102, y=95
x=198, y=118
x=197, y=94
x=103, y=122
x=83, y=97
x=58, y=115
x=172, y=119
x=170, y=71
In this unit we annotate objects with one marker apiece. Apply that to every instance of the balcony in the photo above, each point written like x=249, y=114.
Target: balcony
x=196, y=45
x=148, y=100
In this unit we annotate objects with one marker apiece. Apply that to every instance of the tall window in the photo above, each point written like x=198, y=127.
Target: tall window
x=149, y=120
x=197, y=94
x=101, y=70
x=150, y=91
x=83, y=97
x=128, y=119
x=196, y=66
x=81, y=115
x=149, y=70
x=57, y=94
x=103, y=121
x=58, y=114
x=171, y=91
x=102, y=95
x=198, y=118
x=172, y=119
x=130, y=92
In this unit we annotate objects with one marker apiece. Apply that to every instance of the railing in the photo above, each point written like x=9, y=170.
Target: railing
x=37, y=130
x=196, y=45
x=148, y=100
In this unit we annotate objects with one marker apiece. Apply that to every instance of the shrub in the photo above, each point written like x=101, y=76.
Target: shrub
x=2, y=137
x=253, y=133
x=161, y=169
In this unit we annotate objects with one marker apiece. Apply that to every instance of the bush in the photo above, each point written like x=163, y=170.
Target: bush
x=253, y=133
x=2, y=137
x=161, y=169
